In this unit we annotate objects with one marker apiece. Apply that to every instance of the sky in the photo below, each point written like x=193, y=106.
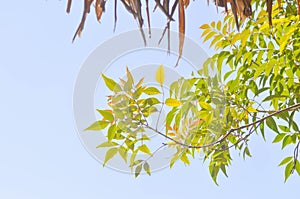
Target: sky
x=41, y=155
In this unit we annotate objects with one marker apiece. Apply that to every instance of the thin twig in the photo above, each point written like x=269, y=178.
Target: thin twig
x=296, y=106
x=296, y=153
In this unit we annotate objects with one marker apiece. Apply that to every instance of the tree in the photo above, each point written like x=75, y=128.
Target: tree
x=256, y=88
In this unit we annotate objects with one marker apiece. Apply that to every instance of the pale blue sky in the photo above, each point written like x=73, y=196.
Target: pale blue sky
x=41, y=156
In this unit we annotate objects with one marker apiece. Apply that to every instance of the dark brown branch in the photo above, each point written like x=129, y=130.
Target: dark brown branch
x=69, y=6
x=296, y=106
x=169, y=21
x=86, y=10
x=115, y=15
x=148, y=18
x=163, y=10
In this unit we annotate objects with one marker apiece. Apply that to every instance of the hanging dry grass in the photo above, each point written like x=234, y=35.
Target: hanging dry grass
x=241, y=9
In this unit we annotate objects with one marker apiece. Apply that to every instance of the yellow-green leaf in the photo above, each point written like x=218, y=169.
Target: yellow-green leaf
x=147, y=168
x=288, y=170
x=160, y=75
x=205, y=105
x=111, y=132
x=138, y=170
x=285, y=160
x=151, y=91
x=251, y=110
x=145, y=149
x=110, y=154
x=107, y=114
x=185, y=159
x=129, y=76
x=111, y=84
x=172, y=102
x=97, y=126
x=107, y=144
x=123, y=153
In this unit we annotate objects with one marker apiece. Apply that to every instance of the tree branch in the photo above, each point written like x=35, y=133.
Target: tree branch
x=296, y=106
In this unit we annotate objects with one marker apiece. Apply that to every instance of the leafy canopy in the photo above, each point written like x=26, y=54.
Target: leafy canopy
x=256, y=89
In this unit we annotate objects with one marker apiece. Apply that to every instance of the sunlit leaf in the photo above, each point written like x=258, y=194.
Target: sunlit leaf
x=285, y=160
x=111, y=84
x=107, y=114
x=151, y=91
x=288, y=170
x=107, y=144
x=109, y=155
x=145, y=149
x=97, y=126
x=271, y=124
x=172, y=102
x=160, y=75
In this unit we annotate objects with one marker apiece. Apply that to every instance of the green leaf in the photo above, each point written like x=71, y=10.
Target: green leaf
x=214, y=170
x=271, y=97
x=185, y=159
x=137, y=162
x=205, y=105
x=145, y=149
x=170, y=116
x=152, y=101
x=262, y=130
x=172, y=102
x=138, y=92
x=278, y=138
x=110, y=154
x=251, y=110
x=228, y=74
x=223, y=168
x=123, y=153
x=147, y=168
x=173, y=160
x=160, y=75
x=111, y=132
x=294, y=125
x=107, y=114
x=288, y=170
x=151, y=91
x=246, y=152
x=138, y=85
x=298, y=167
x=107, y=144
x=284, y=128
x=97, y=126
x=286, y=141
x=111, y=84
x=138, y=170
x=129, y=77
x=272, y=124
x=132, y=159
x=285, y=160
x=208, y=36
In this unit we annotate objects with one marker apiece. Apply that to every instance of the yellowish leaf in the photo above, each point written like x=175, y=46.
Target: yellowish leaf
x=251, y=110
x=172, y=102
x=160, y=75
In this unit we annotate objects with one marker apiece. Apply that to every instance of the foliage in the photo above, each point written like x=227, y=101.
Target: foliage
x=256, y=86
x=263, y=65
